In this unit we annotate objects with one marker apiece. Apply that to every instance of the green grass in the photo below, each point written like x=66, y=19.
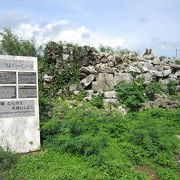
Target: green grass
x=56, y=165
x=88, y=143
x=53, y=165
x=175, y=97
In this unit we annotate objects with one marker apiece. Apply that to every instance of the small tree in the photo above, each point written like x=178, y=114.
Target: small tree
x=11, y=44
x=105, y=49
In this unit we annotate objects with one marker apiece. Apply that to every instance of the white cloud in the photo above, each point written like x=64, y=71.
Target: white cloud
x=42, y=33
x=60, y=31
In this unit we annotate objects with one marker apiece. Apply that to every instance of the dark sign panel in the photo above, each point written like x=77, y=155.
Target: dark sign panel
x=7, y=92
x=17, y=108
x=27, y=92
x=7, y=77
x=27, y=77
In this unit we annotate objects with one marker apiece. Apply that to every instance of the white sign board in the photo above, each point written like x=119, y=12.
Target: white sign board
x=19, y=107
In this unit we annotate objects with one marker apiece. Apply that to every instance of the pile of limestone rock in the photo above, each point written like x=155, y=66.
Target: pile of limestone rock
x=102, y=71
x=114, y=68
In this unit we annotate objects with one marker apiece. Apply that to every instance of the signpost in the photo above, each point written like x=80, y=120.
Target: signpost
x=19, y=107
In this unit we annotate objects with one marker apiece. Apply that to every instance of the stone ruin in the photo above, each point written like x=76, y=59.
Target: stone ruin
x=101, y=71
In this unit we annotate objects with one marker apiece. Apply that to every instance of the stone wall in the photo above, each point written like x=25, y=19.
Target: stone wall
x=100, y=70
x=104, y=70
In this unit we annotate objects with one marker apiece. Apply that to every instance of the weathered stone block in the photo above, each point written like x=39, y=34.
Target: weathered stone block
x=178, y=88
x=73, y=87
x=110, y=95
x=175, y=66
x=88, y=70
x=87, y=81
x=107, y=101
x=167, y=72
x=109, y=79
x=76, y=92
x=90, y=93
x=134, y=69
x=47, y=78
x=100, y=82
x=158, y=73
x=147, y=77
x=122, y=77
x=104, y=68
x=177, y=73
x=173, y=76
x=156, y=61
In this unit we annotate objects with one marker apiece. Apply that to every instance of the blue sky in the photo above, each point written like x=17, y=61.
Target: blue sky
x=132, y=24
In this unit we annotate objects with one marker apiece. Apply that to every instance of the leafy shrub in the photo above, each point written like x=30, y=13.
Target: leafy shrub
x=153, y=140
x=7, y=159
x=175, y=97
x=79, y=97
x=64, y=71
x=89, y=143
x=78, y=132
x=131, y=94
x=167, y=173
x=97, y=101
x=152, y=88
x=105, y=49
x=171, y=88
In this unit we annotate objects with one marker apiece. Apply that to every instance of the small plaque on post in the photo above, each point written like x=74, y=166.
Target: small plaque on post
x=16, y=108
x=7, y=92
x=27, y=92
x=7, y=77
x=27, y=77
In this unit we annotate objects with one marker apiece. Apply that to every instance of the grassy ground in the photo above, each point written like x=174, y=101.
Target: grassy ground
x=87, y=143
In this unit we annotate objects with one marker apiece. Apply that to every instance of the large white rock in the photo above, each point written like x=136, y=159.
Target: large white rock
x=88, y=70
x=175, y=66
x=47, y=78
x=133, y=69
x=76, y=92
x=110, y=64
x=158, y=73
x=167, y=72
x=90, y=93
x=164, y=81
x=147, y=77
x=110, y=95
x=178, y=88
x=177, y=73
x=126, y=77
x=172, y=79
x=109, y=79
x=87, y=81
x=73, y=87
x=107, y=101
x=104, y=68
x=165, y=67
x=173, y=76
x=156, y=61
x=100, y=82
x=144, y=69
